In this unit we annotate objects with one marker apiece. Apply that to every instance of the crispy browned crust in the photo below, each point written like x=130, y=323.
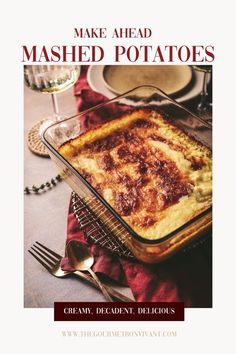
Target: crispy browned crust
x=142, y=179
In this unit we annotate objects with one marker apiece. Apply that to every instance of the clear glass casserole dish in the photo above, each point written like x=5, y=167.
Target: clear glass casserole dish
x=147, y=250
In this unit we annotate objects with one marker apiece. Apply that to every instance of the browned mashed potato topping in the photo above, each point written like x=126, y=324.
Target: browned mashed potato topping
x=152, y=173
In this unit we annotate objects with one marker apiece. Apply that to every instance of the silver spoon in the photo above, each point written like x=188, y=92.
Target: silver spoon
x=81, y=259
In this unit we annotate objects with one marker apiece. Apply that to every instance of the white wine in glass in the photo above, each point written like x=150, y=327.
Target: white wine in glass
x=48, y=79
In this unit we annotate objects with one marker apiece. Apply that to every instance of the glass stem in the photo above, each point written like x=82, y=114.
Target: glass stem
x=204, y=93
x=205, y=84
x=204, y=104
x=55, y=107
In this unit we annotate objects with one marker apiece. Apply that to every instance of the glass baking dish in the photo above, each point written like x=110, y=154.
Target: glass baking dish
x=150, y=251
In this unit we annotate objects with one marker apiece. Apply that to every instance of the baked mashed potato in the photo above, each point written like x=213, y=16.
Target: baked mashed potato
x=152, y=173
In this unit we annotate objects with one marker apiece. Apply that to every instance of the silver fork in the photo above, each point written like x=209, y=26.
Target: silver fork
x=52, y=262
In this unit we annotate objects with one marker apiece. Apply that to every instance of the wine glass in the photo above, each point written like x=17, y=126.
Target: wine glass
x=205, y=105
x=48, y=79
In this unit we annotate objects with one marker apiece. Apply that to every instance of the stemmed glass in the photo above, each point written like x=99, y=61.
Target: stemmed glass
x=49, y=79
x=204, y=106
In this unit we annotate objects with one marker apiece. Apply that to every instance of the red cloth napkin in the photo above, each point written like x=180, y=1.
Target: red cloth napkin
x=186, y=277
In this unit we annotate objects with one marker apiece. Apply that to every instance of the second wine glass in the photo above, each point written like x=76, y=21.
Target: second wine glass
x=205, y=105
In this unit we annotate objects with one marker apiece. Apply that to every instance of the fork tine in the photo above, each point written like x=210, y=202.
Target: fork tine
x=40, y=261
x=49, y=251
x=43, y=257
x=46, y=254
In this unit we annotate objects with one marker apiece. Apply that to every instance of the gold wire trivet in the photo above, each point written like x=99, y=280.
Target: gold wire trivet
x=97, y=233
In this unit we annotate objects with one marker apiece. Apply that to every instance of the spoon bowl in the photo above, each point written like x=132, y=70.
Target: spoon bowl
x=81, y=259
x=79, y=255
